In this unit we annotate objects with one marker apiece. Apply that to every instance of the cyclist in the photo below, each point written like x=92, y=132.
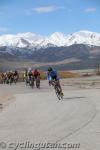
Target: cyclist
x=53, y=76
x=30, y=78
x=25, y=76
x=15, y=76
x=3, y=77
x=29, y=73
x=10, y=77
x=36, y=75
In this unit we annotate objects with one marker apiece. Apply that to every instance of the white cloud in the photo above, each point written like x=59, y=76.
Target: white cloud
x=43, y=9
x=89, y=10
x=2, y=29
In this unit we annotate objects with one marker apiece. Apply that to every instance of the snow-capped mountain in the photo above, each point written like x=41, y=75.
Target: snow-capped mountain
x=74, y=51
x=84, y=37
x=21, y=40
x=57, y=39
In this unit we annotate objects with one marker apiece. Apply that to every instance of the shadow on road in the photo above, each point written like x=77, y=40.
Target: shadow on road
x=73, y=98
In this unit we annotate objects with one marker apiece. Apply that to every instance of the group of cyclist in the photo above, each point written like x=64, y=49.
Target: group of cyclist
x=9, y=77
x=32, y=77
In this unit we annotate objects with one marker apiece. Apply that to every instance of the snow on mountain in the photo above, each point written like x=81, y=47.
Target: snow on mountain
x=31, y=40
x=84, y=37
x=21, y=40
x=57, y=38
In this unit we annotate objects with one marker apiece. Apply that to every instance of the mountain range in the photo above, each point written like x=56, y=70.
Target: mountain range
x=74, y=51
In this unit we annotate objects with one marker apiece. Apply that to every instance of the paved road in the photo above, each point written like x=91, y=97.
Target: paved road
x=38, y=116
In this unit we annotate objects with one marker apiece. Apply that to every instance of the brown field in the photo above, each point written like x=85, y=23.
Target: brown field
x=67, y=74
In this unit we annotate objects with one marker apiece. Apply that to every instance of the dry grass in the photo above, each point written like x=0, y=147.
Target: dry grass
x=66, y=74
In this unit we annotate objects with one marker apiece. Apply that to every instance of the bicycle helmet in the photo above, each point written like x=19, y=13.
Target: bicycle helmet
x=49, y=69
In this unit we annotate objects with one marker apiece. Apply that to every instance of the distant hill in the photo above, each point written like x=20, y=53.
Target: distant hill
x=75, y=51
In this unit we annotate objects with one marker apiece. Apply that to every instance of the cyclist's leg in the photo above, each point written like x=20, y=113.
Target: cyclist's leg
x=50, y=83
x=50, y=80
x=58, y=83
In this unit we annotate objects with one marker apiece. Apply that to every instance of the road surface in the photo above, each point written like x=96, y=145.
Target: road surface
x=37, y=116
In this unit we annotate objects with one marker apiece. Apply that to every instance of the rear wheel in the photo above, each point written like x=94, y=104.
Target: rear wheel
x=38, y=82
x=31, y=83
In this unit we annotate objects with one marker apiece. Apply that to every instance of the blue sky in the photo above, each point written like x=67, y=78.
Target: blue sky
x=48, y=16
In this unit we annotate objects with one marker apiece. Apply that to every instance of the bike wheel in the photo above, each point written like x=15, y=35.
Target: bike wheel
x=58, y=93
x=38, y=83
x=32, y=84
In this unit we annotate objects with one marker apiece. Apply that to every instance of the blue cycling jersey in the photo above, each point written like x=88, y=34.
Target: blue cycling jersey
x=52, y=75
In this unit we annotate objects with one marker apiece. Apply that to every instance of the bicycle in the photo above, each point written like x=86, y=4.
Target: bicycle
x=31, y=82
x=57, y=89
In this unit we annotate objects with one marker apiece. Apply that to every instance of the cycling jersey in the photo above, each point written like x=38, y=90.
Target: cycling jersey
x=52, y=75
x=36, y=74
